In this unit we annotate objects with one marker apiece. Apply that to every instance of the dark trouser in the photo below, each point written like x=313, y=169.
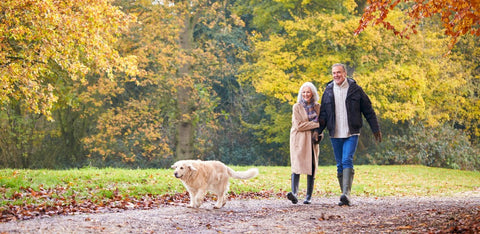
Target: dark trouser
x=310, y=182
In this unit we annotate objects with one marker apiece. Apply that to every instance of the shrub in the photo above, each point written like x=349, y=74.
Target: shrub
x=443, y=146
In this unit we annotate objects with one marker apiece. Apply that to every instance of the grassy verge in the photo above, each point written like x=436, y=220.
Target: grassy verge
x=408, y=180
x=19, y=187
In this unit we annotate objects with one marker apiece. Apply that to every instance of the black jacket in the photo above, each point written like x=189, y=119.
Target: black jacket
x=357, y=103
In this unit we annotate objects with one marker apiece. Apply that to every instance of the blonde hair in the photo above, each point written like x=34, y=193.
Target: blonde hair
x=314, y=92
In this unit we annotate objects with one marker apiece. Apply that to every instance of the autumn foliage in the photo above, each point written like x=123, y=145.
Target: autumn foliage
x=120, y=83
x=45, y=42
x=62, y=203
x=459, y=17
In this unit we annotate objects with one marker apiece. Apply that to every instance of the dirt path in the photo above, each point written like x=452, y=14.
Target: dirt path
x=368, y=214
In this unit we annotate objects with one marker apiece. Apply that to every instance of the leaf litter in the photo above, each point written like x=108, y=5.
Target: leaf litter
x=259, y=212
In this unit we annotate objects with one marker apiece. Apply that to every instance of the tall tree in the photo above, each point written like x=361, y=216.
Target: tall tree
x=76, y=36
x=189, y=16
x=47, y=49
x=196, y=60
x=180, y=60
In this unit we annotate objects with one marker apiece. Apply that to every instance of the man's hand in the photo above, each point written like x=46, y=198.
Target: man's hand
x=378, y=136
x=315, y=137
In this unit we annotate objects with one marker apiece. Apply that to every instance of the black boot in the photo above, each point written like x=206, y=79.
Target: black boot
x=292, y=196
x=347, y=185
x=340, y=182
x=310, y=184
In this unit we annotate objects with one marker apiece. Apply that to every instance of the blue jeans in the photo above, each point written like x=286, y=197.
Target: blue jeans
x=344, y=149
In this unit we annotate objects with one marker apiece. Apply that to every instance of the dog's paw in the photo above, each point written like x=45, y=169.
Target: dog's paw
x=218, y=206
x=194, y=205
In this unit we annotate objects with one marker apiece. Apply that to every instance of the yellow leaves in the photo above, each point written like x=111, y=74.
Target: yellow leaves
x=350, y=5
x=305, y=52
x=424, y=89
x=41, y=35
x=273, y=61
x=132, y=131
x=237, y=20
x=393, y=93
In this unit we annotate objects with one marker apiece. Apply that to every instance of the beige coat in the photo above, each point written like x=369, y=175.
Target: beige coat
x=301, y=141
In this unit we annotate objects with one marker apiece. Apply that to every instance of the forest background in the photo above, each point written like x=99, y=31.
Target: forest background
x=141, y=84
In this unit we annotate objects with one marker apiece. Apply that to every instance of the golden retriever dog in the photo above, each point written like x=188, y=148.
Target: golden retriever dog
x=199, y=177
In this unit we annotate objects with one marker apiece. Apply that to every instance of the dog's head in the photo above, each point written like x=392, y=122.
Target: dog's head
x=182, y=168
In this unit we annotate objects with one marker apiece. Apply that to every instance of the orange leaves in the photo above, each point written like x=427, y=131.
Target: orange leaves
x=133, y=133
x=56, y=201
x=458, y=17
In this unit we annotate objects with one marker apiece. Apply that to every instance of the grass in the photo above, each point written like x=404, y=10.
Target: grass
x=408, y=180
x=99, y=184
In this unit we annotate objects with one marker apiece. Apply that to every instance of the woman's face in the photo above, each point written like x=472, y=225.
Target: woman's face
x=307, y=94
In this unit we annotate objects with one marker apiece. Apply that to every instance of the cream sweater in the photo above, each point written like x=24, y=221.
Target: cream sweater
x=341, y=119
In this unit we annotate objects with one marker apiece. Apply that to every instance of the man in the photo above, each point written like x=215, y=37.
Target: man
x=343, y=103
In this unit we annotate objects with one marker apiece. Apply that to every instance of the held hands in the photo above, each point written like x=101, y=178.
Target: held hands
x=378, y=136
x=316, y=137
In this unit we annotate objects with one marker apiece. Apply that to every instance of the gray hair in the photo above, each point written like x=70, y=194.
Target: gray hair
x=340, y=65
x=314, y=92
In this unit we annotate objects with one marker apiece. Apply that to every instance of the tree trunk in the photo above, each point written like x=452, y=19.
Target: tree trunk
x=185, y=127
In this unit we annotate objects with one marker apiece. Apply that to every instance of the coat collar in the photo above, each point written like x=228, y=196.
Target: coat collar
x=352, y=86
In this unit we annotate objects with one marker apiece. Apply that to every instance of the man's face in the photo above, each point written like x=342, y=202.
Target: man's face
x=339, y=74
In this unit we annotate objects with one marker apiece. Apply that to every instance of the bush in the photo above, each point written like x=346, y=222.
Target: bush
x=443, y=146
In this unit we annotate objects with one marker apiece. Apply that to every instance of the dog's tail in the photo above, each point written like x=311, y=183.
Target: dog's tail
x=250, y=173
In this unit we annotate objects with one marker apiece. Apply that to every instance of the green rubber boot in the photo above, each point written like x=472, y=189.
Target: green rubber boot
x=347, y=185
x=310, y=185
x=292, y=196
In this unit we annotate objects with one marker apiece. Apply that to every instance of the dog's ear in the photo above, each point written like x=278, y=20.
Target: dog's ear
x=191, y=167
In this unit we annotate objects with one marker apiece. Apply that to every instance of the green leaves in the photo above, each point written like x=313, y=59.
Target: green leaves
x=442, y=146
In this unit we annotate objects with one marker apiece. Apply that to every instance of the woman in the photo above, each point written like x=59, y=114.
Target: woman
x=303, y=150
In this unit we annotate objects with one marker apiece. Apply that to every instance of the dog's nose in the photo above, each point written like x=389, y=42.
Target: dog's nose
x=176, y=175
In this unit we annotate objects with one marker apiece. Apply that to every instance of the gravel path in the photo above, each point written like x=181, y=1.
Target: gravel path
x=368, y=215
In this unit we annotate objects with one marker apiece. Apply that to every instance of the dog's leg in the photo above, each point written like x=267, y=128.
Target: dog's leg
x=221, y=201
x=192, y=202
x=192, y=194
x=222, y=197
x=198, y=198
